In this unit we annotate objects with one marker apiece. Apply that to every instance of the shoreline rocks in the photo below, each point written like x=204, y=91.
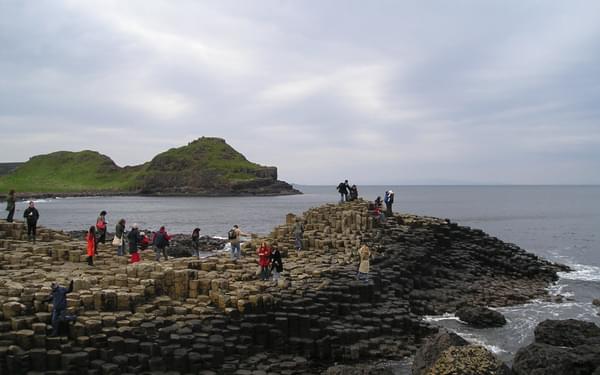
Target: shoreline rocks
x=480, y=317
x=215, y=315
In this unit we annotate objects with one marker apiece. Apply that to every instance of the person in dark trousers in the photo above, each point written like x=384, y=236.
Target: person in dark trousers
x=353, y=193
x=264, y=260
x=58, y=296
x=342, y=188
x=276, y=264
x=161, y=241
x=134, y=239
x=10, y=205
x=120, y=237
x=91, y=245
x=298, y=232
x=196, y=242
x=31, y=216
x=101, y=228
x=388, y=200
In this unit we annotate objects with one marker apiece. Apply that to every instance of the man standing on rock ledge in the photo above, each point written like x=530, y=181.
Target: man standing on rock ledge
x=31, y=215
x=10, y=206
x=234, y=236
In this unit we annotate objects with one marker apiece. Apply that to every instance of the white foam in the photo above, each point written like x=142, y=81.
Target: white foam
x=439, y=318
x=582, y=272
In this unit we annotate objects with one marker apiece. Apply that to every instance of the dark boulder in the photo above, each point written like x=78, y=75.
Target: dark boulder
x=569, y=332
x=432, y=348
x=480, y=317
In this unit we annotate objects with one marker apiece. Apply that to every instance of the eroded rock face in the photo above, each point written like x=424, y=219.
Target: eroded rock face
x=480, y=317
x=468, y=360
x=561, y=347
x=432, y=348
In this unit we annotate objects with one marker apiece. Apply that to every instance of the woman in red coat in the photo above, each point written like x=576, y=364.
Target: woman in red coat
x=264, y=259
x=91, y=245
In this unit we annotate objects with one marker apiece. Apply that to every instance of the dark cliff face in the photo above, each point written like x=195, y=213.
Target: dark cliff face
x=209, y=166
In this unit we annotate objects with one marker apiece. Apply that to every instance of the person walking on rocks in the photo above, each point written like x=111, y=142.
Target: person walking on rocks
x=276, y=264
x=161, y=241
x=388, y=200
x=10, y=205
x=196, y=242
x=133, y=238
x=101, y=228
x=91, y=245
x=58, y=296
x=342, y=188
x=363, y=267
x=353, y=193
x=119, y=239
x=264, y=260
x=298, y=232
x=234, y=235
x=31, y=216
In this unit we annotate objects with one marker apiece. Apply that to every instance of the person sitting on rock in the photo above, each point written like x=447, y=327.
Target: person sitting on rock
x=353, y=193
x=196, y=242
x=161, y=241
x=144, y=241
x=363, y=267
x=378, y=214
x=58, y=296
x=264, y=260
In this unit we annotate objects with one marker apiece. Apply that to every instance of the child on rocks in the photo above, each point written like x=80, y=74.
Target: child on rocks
x=264, y=259
x=363, y=267
x=91, y=245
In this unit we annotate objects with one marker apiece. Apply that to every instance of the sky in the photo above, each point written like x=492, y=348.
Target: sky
x=376, y=92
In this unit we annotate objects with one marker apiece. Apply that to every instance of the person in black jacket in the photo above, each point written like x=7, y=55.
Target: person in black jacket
x=58, y=297
x=342, y=188
x=31, y=216
x=276, y=264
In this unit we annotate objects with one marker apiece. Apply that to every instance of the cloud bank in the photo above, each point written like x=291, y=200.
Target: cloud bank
x=384, y=92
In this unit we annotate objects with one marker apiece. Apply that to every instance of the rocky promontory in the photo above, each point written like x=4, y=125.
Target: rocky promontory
x=214, y=315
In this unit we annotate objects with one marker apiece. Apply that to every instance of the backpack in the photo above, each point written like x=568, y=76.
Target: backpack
x=161, y=240
x=231, y=234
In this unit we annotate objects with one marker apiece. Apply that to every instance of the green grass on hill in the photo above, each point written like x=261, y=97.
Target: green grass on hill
x=65, y=171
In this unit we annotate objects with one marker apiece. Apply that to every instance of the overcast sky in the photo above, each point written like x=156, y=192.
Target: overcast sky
x=378, y=92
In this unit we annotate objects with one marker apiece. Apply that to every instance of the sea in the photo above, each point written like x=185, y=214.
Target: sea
x=558, y=223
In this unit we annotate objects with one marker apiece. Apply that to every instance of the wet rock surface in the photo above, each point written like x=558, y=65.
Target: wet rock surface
x=480, y=317
x=214, y=315
x=561, y=347
x=432, y=348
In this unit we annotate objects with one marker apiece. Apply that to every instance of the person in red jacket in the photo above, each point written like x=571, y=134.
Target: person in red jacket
x=91, y=245
x=264, y=260
x=161, y=241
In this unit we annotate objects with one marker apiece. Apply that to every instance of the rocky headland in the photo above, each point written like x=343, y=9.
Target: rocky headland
x=214, y=315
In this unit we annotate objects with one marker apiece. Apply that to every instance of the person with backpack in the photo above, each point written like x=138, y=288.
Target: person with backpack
x=101, y=229
x=161, y=241
x=234, y=235
x=196, y=242
x=10, y=206
x=134, y=239
x=31, y=216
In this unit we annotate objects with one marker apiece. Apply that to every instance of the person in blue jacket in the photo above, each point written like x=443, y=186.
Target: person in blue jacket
x=58, y=296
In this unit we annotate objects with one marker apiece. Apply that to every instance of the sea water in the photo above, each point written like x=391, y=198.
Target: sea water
x=559, y=223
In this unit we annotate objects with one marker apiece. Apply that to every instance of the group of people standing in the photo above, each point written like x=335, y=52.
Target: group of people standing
x=31, y=215
x=134, y=240
x=269, y=261
x=347, y=193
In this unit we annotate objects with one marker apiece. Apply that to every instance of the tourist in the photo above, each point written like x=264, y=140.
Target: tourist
x=144, y=241
x=363, y=267
x=298, y=232
x=264, y=259
x=10, y=205
x=378, y=202
x=378, y=214
x=161, y=241
x=353, y=193
x=101, y=229
x=234, y=235
x=91, y=245
x=196, y=242
x=119, y=239
x=342, y=188
x=58, y=296
x=133, y=238
x=276, y=264
x=31, y=216
x=388, y=200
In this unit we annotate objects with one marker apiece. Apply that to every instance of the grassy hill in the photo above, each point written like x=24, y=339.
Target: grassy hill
x=206, y=166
